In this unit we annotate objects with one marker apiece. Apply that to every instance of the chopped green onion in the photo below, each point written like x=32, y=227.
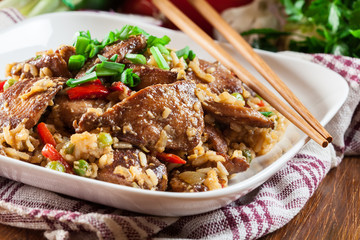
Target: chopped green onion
x=9, y=83
x=247, y=154
x=81, y=44
x=91, y=69
x=238, y=96
x=136, y=58
x=109, y=69
x=109, y=39
x=102, y=58
x=163, y=49
x=104, y=139
x=76, y=62
x=87, y=78
x=55, y=165
x=192, y=55
x=94, y=50
x=159, y=59
x=125, y=32
x=81, y=167
x=183, y=52
x=267, y=114
x=129, y=78
x=153, y=41
x=114, y=57
x=37, y=57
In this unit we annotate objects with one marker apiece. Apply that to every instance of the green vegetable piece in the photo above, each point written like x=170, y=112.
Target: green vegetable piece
x=109, y=39
x=87, y=78
x=267, y=114
x=136, y=58
x=55, y=165
x=69, y=148
x=114, y=57
x=102, y=58
x=159, y=59
x=81, y=167
x=153, y=41
x=81, y=44
x=109, y=69
x=129, y=78
x=183, y=52
x=192, y=55
x=9, y=83
x=238, y=96
x=104, y=140
x=163, y=49
x=247, y=154
x=76, y=62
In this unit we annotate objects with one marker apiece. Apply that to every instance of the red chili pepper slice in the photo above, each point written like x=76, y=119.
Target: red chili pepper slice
x=120, y=87
x=261, y=103
x=50, y=152
x=171, y=158
x=91, y=90
x=2, y=86
x=45, y=134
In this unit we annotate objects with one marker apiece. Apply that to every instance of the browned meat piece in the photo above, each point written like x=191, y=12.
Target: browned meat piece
x=215, y=139
x=236, y=164
x=128, y=169
x=134, y=44
x=152, y=75
x=66, y=111
x=157, y=117
x=27, y=100
x=227, y=113
x=45, y=64
x=66, y=51
x=224, y=81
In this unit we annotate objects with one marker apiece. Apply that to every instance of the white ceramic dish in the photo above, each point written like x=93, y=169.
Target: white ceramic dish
x=320, y=89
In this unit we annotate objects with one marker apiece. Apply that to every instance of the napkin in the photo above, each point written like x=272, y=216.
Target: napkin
x=260, y=212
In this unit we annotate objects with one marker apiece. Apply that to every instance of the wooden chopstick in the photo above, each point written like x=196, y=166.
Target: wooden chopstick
x=212, y=16
x=189, y=27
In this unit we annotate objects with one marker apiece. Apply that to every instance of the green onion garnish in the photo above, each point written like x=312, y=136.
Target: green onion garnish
x=109, y=39
x=102, y=58
x=109, y=68
x=136, y=58
x=81, y=45
x=153, y=41
x=183, y=52
x=267, y=114
x=72, y=82
x=159, y=59
x=114, y=57
x=129, y=78
x=163, y=49
x=76, y=62
x=238, y=96
x=192, y=55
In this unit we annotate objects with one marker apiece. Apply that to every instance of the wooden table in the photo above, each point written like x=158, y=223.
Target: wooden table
x=333, y=212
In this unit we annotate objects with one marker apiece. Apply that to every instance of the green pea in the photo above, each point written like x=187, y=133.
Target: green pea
x=247, y=154
x=238, y=96
x=56, y=165
x=9, y=83
x=81, y=167
x=104, y=139
x=69, y=148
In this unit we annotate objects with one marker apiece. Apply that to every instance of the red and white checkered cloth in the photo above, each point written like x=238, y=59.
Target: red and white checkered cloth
x=262, y=211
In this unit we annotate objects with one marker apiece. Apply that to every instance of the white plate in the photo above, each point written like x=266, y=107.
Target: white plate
x=320, y=89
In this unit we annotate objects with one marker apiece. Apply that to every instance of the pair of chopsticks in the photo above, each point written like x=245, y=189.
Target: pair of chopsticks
x=304, y=120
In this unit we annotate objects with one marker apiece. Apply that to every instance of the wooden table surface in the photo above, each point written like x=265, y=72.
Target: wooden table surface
x=333, y=212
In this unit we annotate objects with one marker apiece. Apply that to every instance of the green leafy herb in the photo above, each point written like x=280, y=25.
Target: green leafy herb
x=318, y=26
x=136, y=58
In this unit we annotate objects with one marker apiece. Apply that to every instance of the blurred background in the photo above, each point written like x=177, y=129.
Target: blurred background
x=311, y=26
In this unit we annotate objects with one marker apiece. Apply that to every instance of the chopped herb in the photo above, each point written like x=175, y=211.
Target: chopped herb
x=102, y=58
x=76, y=62
x=136, y=58
x=247, y=154
x=159, y=59
x=87, y=78
x=114, y=57
x=267, y=114
x=129, y=78
x=238, y=96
